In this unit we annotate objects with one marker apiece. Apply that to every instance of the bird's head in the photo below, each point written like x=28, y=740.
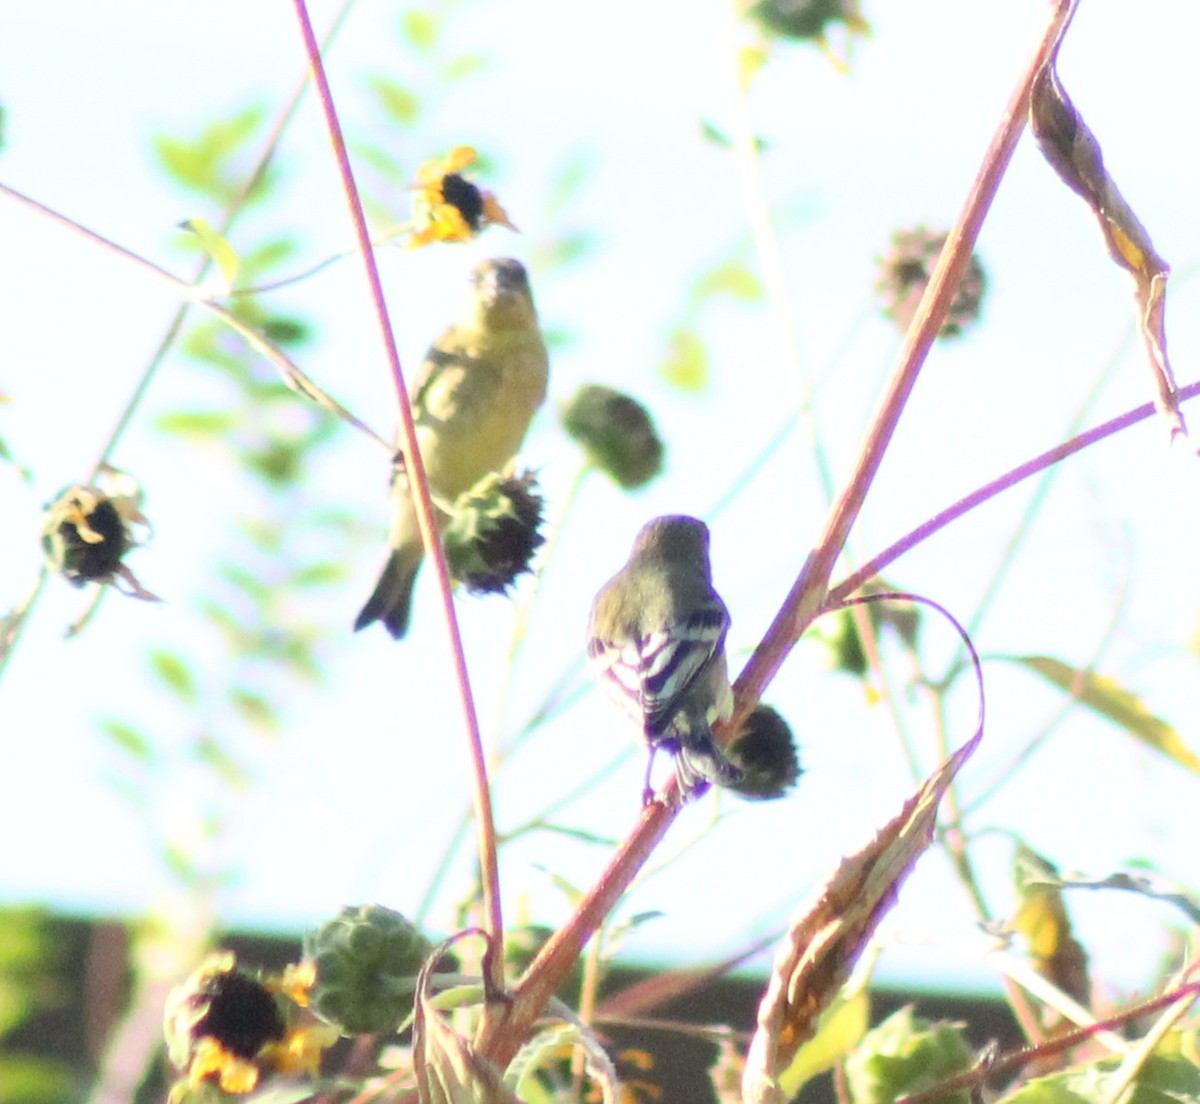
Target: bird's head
x=502, y=294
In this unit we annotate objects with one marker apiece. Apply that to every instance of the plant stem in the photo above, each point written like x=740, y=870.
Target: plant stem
x=807, y=594
x=809, y=591
x=484, y=823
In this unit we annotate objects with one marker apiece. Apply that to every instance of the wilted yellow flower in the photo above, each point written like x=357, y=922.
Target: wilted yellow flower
x=211, y=1060
x=88, y=529
x=227, y=1026
x=296, y=981
x=449, y=207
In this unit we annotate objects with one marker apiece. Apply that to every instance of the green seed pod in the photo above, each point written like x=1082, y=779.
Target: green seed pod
x=367, y=960
x=493, y=534
x=617, y=434
x=765, y=752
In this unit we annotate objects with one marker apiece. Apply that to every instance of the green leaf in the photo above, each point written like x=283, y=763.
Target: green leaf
x=839, y=1030
x=28, y=1080
x=712, y=133
x=128, y=739
x=196, y=423
x=286, y=331
x=686, y=362
x=570, y=179
x=731, y=279
x=1103, y=696
x=419, y=29
x=1162, y=1080
x=565, y=250
x=318, y=574
x=399, y=102
x=217, y=248
x=466, y=65
x=906, y=1054
x=174, y=674
x=246, y=581
x=254, y=709
x=6, y=457
x=211, y=754
x=267, y=255
x=203, y=164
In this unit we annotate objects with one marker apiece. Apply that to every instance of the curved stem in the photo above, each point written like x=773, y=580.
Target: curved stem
x=1002, y=483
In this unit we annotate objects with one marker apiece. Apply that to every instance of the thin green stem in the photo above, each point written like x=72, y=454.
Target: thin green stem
x=766, y=240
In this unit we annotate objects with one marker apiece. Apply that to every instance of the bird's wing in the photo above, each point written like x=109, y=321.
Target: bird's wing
x=648, y=674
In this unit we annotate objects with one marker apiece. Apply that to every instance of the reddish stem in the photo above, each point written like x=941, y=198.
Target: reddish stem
x=807, y=595
x=415, y=468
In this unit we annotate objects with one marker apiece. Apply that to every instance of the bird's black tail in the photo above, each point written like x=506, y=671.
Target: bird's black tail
x=699, y=761
x=391, y=600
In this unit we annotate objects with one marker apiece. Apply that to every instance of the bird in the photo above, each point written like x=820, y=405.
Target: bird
x=473, y=399
x=656, y=643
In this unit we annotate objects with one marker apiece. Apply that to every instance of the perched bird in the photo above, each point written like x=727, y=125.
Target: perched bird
x=472, y=401
x=657, y=645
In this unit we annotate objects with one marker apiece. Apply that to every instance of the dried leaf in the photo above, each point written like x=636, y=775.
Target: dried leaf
x=1103, y=696
x=831, y=931
x=1041, y=917
x=549, y=1045
x=448, y=1069
x=1073, y=152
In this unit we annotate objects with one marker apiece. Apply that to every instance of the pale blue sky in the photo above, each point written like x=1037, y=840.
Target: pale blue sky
x=357, y=800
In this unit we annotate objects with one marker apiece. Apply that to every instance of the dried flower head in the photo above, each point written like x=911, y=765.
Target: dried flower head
x=88, y=529
x=765, y=751
x=904, y=274
x=449, y=207
x=617, y=434
x=493, y=533
x=231, y=1028
x=807, y=19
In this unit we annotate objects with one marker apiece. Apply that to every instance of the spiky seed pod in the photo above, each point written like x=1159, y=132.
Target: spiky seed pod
x=904, y=274
x=765, y=751
x=493, y=533
x=617, y=434
x=367, y=960
x=805, y=19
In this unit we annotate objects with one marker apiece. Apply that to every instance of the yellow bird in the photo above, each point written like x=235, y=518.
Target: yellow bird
x=477, y=391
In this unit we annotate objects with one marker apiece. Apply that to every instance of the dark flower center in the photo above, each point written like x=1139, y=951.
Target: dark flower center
x=463, y=195
x=242, y=1016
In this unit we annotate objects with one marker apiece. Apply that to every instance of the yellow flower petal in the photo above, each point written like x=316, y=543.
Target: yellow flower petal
x=235, y=1075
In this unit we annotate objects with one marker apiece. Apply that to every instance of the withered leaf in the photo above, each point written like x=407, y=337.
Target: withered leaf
x=1042, y=918
x=1074, y=153
x=832, y=929
x=448, y=1069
